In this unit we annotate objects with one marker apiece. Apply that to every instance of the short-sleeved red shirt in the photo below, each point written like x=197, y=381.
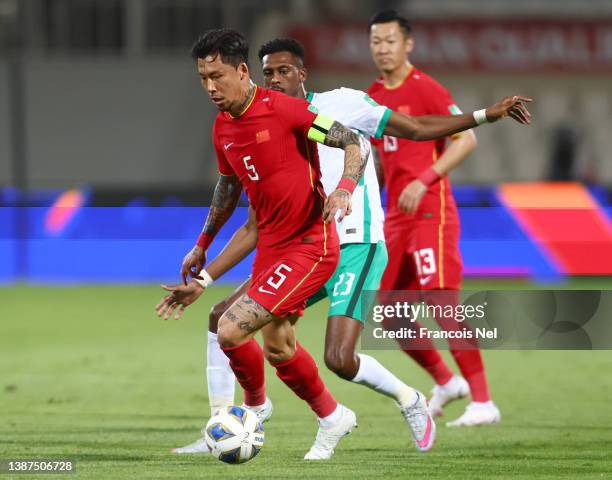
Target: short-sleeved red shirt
x=278, y=167
x=403, y=160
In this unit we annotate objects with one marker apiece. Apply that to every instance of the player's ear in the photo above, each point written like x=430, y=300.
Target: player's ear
x=303, y=74
x=243, y=70
x=409, y=45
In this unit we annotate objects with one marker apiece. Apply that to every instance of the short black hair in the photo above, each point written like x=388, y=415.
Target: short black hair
x=282, y=45
x=230, y=44
x=387, y=16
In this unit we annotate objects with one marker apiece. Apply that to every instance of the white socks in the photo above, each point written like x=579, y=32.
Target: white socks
x=373, y=375
x=219, y=375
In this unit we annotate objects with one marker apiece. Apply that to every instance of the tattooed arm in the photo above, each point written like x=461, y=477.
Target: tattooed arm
x=338, y=136
x=356, y=151
x=179, y=297
x=224, y=201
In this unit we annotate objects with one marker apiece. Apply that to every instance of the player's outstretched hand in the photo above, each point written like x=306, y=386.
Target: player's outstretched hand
x=180, y=297
x=410, y=198
x=193, y=264
x=513, y=107
x=338, y=201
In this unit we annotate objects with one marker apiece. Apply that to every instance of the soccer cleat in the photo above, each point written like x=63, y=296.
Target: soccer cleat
x=454, y=389
x=421, y=423
x=199, y=446
x=477, y=413
x=328, y=437
x=263, y=412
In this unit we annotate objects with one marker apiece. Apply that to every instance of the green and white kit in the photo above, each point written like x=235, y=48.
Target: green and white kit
x=363, y=255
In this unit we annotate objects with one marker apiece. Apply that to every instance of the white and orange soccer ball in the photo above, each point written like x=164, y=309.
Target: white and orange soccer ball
x=234, y=435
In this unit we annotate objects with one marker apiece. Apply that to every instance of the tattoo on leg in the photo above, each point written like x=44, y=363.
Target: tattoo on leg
x=248, y=314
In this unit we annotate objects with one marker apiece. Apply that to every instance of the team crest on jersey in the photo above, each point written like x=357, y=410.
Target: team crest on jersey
x=454, y=110
x=313, y=109
x=262, y=136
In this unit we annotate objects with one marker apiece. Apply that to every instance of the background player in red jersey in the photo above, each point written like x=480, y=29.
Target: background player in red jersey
x=422, y=223
x=263, y=140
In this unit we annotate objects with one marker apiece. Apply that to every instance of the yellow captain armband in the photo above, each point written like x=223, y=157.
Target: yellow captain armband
x=320, y=127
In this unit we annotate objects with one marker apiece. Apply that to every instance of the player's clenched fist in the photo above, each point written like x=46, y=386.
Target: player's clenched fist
x=338, y=201
x=513, y=107
x=193, y=264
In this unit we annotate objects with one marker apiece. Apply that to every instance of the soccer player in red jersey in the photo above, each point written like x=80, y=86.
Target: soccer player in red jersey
x=422, y=223
x=283, y=64
x=264, y=144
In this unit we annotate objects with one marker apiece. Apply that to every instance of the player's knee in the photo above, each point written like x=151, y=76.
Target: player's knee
x=227, y=333
x=342, y=362
x=276, y=354
x=215, y=315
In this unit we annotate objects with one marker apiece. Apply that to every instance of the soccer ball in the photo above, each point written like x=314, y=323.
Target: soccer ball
x=234, y=435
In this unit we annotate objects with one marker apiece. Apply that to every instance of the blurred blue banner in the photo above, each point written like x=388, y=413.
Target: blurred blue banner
x=139, y=244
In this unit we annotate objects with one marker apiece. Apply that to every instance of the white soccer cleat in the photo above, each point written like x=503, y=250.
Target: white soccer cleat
x=477, y=413
x=454, y=389
x=421, y=423
x=328, y=437
x=199, y=446
x=263, y=412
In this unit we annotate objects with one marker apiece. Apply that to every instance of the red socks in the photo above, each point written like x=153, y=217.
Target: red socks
x=433, y=363
x=466, y=353
x=300, y=374
x=247, y=362
x=472, y=369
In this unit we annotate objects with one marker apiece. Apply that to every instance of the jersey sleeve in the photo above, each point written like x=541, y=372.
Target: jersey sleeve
x=303, y=118
x=296, y=113
x=223, y=165
x=442, y=102
x=364, y=113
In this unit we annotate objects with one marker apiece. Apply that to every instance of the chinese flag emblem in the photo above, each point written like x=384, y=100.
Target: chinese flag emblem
x=262, y=136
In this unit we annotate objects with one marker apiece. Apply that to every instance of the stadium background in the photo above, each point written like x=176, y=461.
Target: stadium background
x=106, y=168
x=102, y=108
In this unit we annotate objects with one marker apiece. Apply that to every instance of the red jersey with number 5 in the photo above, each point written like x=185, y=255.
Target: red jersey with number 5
x=403, y=160
x=268, y=149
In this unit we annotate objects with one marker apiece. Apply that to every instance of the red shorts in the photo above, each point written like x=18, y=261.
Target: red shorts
x=424, y=256
x=284, y=280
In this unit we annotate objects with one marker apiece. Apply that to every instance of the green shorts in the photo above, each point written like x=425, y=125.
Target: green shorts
x=360, y=268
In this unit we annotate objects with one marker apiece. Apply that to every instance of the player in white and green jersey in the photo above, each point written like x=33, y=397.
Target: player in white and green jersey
x=363, y=254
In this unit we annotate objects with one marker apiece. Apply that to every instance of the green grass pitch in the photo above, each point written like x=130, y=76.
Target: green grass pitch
x=92, y=374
